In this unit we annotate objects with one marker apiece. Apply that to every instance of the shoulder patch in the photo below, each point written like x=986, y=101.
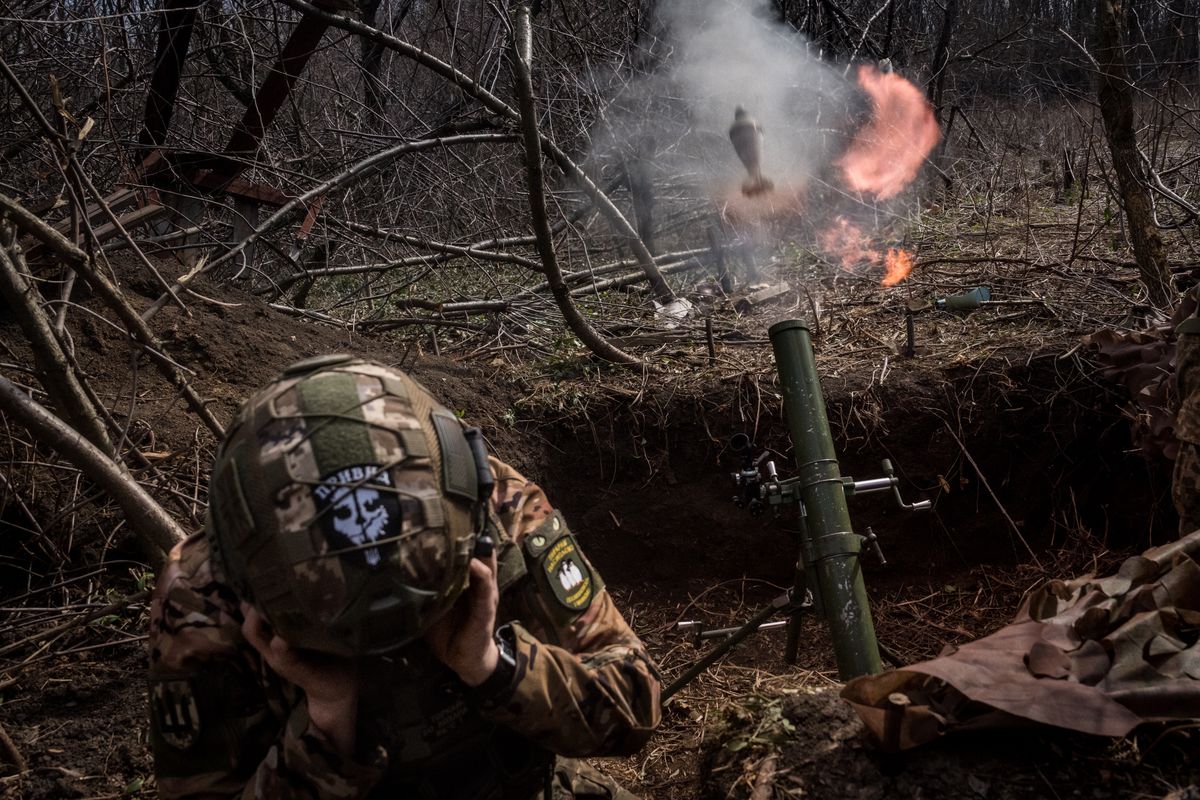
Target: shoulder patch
x=174, y=716
x=561, y=566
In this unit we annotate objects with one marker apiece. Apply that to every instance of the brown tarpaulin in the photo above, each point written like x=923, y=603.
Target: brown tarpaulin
x=1094, y=655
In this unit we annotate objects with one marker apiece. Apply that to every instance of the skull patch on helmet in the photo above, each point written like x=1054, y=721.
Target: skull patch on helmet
x=357, y=507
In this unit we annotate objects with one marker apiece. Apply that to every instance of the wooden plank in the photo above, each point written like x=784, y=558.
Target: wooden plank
x=762, y=297
x=239, y=187
x=129, y=220
x=121, y=197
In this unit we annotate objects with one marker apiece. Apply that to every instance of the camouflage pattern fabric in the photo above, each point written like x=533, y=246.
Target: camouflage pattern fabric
x=1096, y=655
x=223, y=724
x=577, y=780
x=1185, y=486
x=337, y=485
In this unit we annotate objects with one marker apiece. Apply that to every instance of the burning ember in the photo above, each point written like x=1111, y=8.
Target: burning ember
x=888, y=151
x=847, y=243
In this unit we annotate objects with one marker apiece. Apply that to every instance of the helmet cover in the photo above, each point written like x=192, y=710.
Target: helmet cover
x=342, y=504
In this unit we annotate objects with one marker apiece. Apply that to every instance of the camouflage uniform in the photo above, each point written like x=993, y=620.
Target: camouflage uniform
x=224, y=725
x=1185, y=487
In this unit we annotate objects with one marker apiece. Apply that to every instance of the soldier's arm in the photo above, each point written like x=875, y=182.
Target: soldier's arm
x=221, y=726
x=584, y=684
x=1187, y=358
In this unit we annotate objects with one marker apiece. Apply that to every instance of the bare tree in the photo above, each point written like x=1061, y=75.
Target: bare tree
x=1116, y=106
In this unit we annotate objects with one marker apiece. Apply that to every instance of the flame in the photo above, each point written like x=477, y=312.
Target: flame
x=888, y=151
x=846, y=242
x=897, y=265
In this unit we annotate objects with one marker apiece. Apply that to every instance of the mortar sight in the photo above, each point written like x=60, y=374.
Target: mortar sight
x=748, y=477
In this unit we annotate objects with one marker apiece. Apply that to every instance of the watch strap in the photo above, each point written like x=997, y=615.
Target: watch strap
x=500, y=683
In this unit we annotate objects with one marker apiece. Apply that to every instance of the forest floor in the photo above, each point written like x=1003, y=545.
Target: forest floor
x=1031, y=462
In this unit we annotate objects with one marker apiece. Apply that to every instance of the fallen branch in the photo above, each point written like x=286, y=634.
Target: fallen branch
x=115, y=300
x=636, y=277
x=12, y=754
x=664, y=262
x=469, y=251
x=373, y=324
x=155, y=529
x=62, y=385
x=520, y=59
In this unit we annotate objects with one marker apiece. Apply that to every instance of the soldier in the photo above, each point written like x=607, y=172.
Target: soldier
x=333, y=631
x=1185, y=486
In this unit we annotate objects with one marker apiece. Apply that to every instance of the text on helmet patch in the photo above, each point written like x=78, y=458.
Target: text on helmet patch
x=358, y=506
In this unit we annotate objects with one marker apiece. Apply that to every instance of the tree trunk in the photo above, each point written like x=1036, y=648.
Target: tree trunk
x=639, y=171
x=371, y=61
x=941, y=58
x=1116, y=106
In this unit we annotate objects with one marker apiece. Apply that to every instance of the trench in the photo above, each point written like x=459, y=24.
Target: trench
x=650, y=493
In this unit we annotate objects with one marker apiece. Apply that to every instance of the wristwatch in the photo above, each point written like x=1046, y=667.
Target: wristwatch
x=502, y=676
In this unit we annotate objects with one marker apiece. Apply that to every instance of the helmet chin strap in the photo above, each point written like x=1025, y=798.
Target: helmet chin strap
x=484, y=543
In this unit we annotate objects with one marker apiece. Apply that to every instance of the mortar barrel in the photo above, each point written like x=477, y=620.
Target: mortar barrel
x=829, y=547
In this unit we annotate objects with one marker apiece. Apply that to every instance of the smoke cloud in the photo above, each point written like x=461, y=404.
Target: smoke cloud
x=728, y=53
x=836, y=141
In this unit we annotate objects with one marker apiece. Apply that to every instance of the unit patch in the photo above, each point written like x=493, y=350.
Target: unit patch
x=358, y=506
x=174, y=714
x=570, y=578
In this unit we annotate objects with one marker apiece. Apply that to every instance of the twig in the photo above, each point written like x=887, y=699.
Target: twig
x=11, y=752
x=764, y=779
x=988, y=486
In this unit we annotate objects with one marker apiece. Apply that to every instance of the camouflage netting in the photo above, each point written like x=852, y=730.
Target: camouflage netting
x=1099, y=656
x=1144, y=362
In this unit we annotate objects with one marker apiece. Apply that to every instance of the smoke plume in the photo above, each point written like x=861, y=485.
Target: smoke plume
x=728, y=53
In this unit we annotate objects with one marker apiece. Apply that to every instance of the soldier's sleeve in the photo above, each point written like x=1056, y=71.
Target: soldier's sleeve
x=221, y=725
x=584, y=684
x=1187, y=379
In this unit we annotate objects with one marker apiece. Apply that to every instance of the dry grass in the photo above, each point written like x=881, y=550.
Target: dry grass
x=916, y=621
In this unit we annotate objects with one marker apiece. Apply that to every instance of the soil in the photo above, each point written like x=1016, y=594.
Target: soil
x=822, y=753
x=1020, y=452
x=82, y=731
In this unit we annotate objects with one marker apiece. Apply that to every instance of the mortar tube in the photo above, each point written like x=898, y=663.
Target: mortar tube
x=829, y=548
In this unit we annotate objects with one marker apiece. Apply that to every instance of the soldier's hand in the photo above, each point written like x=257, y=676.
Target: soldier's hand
x=464, y=639
x=330, y=683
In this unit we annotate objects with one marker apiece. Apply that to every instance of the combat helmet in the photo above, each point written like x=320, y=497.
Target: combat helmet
x=345, y=504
